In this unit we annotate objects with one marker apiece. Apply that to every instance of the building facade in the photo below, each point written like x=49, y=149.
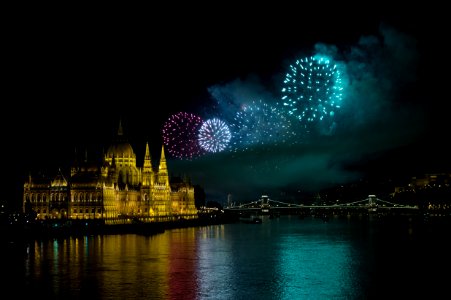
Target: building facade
x=114, y=190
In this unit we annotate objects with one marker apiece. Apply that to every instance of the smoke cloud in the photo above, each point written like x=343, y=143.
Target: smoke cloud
x=377, y=115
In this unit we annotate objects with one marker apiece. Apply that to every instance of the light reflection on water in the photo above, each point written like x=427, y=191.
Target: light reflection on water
x=279, y=259
x=284, y=258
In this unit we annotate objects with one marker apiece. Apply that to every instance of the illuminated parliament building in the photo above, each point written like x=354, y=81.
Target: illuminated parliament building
x=114, y=189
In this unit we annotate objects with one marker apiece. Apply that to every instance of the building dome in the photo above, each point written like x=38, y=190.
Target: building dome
x=120, y=149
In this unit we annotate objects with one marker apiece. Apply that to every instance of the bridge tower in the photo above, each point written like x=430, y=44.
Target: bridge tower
x=372, y=204
x=372, y=200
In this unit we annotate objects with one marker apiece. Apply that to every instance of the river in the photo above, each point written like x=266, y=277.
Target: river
x=282, y=258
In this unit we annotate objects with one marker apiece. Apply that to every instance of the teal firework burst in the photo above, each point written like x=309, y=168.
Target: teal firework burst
x=312, y=90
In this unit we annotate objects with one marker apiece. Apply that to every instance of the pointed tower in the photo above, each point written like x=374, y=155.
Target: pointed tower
x=161, y=190
x=163, y=176
x=120, y=131
x=122, y=150
x=147, y=169
x=75, y=164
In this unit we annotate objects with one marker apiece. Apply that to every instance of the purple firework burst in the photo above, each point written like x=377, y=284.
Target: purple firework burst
x=180, y=135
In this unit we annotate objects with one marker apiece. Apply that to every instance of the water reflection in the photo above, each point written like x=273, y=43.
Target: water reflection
x=315, y=263
x=282, y=258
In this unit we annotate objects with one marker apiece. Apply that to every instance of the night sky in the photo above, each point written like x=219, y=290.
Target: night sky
x=70, y=80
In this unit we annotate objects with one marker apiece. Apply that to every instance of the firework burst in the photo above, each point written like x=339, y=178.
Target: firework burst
x=180, y=135
x=258, y=123
x=312, y=91
x=214, y=135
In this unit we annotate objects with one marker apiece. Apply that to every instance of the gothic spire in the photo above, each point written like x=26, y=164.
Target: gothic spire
x=163, y=169
x=147, y=160
x=147, y=151
x=120, y=131
x=163, y=166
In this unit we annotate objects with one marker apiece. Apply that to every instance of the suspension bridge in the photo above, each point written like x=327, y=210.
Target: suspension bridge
x=371, y=204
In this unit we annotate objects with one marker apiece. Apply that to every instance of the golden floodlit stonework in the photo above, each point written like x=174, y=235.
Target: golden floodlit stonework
x=114, y=190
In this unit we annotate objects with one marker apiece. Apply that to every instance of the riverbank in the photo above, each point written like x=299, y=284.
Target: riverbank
x=65, y=228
